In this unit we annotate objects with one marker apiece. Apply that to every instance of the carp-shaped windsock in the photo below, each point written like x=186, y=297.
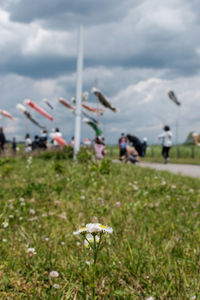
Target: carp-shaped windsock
x=38, y=109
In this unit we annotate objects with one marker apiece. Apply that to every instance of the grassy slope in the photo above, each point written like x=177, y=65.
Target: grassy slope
x=154, y=250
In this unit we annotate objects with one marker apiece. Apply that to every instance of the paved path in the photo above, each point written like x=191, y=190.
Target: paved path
x=188, y=170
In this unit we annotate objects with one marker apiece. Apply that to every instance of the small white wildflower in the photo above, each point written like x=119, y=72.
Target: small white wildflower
x=21, y=199
x=20, y=218
x=87, y=262
x=47, y=239
x=53, y=274
x=31, y=211
x=135, y=187
x=51, y=213
x=5, y=224
x=56, y=286
x=31, y=252
x=57, y=202
x=163, y=182
x=77, y=243
x=118, y=204
x=81, y=230
x=32, y=200
x=11, y=216
x=150, y=298
x=4, y=240
x=33, y=219
x=106, y=229
x=173, y=186
x=92, y=227
x=82, y=197
x=44, y=215
x=22, y=204
x=62, y=243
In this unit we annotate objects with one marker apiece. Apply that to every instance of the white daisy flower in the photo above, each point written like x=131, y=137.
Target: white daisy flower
x=81, y=230
x=106, y=229
x=93, y=227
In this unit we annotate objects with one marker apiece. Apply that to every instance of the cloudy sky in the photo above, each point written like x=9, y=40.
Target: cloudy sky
x=134, y=52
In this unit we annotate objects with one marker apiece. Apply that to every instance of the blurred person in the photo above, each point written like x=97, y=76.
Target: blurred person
x=131, y=153
x=144, y=147
x=43, y=139
x=121, y=141
x=14, y=146
x=28, y=143
x=72, y=142
x=166, y=138
x=136, y=143
x=2, y=140
x=35, y=143
x=99, y=148
x=58, y=134
x=122, y=148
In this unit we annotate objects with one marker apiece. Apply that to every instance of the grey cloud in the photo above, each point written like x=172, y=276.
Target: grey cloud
x=65, y=13
x=38, y=67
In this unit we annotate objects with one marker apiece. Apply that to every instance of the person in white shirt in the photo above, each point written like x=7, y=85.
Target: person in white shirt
x=59, y=134
x=166, y=138
x=28, y=143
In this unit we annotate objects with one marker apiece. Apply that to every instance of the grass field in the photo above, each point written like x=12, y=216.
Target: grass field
x=154, y=250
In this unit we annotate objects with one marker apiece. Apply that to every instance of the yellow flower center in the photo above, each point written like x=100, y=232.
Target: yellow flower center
x=104, y=227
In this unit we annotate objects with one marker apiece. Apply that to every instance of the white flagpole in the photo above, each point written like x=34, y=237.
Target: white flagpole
x=77, y=133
